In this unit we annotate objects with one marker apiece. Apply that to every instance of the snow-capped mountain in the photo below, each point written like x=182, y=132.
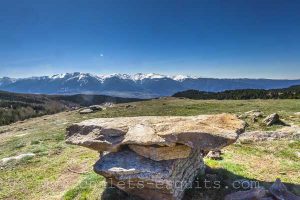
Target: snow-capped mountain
x=137, y=85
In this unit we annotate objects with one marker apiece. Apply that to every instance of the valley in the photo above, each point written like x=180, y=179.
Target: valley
x=17, y=106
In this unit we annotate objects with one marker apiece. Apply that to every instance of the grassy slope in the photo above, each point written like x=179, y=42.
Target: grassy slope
x=50, y=175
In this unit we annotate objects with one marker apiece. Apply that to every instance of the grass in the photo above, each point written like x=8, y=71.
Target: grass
x=88, y=188
x=50, y=174
x=263, y=162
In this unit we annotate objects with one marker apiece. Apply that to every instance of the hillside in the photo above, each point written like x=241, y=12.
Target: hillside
x=15, y=107
x=62, y=171
x=137, y=85
x=292, y=92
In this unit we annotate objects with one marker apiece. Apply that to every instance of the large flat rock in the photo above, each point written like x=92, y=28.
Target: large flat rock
x=149, y=179
x=154, y=157
x=205, y=132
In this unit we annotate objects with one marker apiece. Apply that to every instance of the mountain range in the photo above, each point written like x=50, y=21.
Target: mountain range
x=138, y=85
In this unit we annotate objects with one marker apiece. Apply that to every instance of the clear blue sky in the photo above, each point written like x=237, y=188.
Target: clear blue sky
x=209, y=38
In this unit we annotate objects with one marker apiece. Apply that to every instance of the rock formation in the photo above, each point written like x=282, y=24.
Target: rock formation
x=154, y=157
x=273, y=119
x=286, y=132
x=253, y=115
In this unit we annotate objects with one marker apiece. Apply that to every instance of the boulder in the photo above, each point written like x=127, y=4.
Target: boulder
x=254, y=113
x=272, y=119
x=149, y=179
x=86, y=111
x=154, y=157
x=95, y=107
x=204, y=131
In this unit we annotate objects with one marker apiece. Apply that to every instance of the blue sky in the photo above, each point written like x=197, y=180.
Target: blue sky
x=208, y=38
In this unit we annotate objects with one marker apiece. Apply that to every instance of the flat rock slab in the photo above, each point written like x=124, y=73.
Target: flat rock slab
x=86, y=111
x=206, y=132
x=149, y=179
x=162, y=153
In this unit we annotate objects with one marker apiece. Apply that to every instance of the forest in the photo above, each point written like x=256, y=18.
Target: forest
x=292, y=92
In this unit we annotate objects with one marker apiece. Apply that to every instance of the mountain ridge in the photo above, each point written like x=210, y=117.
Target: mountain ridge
x=138, y=85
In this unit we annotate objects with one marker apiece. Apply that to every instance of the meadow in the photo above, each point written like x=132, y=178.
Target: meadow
x=61, y=171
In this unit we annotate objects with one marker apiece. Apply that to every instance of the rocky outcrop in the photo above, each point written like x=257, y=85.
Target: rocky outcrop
x=287, y=132
x=252, y=114
x=154, y=157
x=273, y=119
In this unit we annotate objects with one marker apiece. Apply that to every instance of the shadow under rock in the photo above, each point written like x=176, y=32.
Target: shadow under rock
x=113, y=193
x=214, y=185
x=217, y=183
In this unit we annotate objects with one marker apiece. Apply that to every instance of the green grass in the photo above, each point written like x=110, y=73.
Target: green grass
x=263, y=161
x=47, y=175
x=89, y=187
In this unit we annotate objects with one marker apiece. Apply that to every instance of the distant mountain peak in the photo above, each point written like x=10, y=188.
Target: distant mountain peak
x=142, y=76
x=182, y=77
x=143, y=85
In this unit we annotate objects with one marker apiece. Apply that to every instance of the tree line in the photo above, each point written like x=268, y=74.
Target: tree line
x=243, y=94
